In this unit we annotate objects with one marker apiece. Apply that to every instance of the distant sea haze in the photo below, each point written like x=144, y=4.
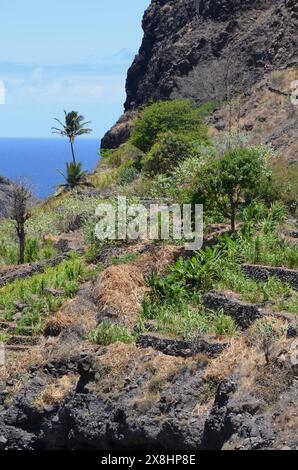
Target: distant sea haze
x=37, y=160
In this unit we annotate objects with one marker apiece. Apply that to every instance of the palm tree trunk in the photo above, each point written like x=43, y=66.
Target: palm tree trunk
x=72, y=152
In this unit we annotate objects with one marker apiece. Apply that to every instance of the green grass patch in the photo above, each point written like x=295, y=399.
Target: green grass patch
x=33, y=293
x=107, y=333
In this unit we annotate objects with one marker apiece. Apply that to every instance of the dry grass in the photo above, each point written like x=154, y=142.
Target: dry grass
x=54, y=393
x=245, y=357
x=162, y=366
x=121, y=288
x=118, y=355
x=287, y=422
x=270, y=112
x=57, y=323
x=71, y=313
x=18, y=363
x=163, y=369
x=158, y=257
x=233, y=355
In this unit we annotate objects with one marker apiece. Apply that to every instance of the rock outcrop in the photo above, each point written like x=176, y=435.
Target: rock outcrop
x=99, y=401
x=206, y=49
x=263, y=273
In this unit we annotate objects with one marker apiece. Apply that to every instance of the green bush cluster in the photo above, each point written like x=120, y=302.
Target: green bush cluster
x=170, y=150
x=180, y=116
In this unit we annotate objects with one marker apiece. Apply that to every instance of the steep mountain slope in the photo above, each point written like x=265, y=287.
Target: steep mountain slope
x=141, y=344
x=207, y=49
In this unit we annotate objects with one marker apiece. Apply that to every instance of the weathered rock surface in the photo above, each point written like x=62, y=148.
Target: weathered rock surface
x=26, y=270
x=206, y=49
x=135, y=409
x=181, y=347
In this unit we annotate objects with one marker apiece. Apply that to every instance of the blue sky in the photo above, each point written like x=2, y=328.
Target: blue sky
x=65, y=54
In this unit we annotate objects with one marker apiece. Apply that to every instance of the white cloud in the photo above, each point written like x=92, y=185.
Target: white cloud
x=99, y=80
x=41, y=88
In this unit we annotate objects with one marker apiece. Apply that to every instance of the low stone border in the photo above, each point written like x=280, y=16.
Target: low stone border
x=262, y=273
x=243, y=313
x=180, y=347
x=28, y=270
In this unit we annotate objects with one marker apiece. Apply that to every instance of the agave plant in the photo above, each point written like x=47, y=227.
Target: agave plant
x=73, y=127
x=75, y=175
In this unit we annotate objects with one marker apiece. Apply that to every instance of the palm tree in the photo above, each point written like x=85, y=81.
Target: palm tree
x=73, y=127
x=75, y=175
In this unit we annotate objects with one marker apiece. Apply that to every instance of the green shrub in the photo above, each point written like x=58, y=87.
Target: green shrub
x=170, y=150
x=126, y=173
x=32, y=249
x=285, y=179
x=181, y=116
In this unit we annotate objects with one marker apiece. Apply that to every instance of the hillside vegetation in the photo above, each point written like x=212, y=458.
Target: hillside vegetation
x=131, y=325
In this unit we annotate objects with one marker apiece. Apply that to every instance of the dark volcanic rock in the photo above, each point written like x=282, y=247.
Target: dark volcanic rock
x=99, y=415
x=90, y=418
x=262, y=273
x=243, y=313
x=180, y=347
x=205, y=49
x=27, y=270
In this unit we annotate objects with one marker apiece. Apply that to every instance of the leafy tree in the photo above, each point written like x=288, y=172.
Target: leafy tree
x=170, y=150
x=182, y=116
x=73, y=127
x=225, y=182
x=75, y=175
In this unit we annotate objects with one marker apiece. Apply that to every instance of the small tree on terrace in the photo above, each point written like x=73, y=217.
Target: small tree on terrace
x=20, y=214
x=239, y=172
x=224, y=183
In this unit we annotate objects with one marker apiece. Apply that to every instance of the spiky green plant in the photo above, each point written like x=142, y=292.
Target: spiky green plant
x=75, y=175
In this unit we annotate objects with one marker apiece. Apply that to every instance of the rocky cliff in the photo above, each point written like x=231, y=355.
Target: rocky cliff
x=206, y=49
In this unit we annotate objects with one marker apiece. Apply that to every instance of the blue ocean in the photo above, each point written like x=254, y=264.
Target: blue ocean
x=37, y=160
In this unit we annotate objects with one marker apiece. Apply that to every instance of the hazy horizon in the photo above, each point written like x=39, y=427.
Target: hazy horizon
x=55, y=57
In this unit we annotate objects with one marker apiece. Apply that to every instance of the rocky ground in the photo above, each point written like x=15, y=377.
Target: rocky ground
x=66, y=393
x=60, y=390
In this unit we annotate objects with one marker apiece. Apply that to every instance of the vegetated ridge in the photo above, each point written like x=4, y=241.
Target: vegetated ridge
x=206, y=49
x=116, y=345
